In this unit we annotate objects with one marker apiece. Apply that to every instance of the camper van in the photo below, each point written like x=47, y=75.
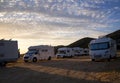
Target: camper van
x=65, y=52
x=8, y=51
x=42, y=52
x=78, y=51
x=102, y=48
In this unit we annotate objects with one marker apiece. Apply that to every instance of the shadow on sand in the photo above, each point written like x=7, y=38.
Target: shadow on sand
x=81, y=65
x=26, y=75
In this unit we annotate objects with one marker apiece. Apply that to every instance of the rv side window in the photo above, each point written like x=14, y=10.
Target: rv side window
x=62, y=52
x=36, y=52
x=31, y=52
x=104, y=45
x=32, y=49
x=93, y=46
x=68, y=51
x=44, y=50
x=76, y=51
x=85, y=51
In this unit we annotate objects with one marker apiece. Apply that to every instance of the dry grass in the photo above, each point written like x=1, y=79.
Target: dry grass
x=69, y=70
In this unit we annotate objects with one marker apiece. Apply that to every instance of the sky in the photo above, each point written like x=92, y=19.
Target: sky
x=57, y=22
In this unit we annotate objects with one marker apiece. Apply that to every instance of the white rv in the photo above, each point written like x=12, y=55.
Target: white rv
x=65, y=52
x=41, y=52
x=102, y=48
x=8, y=51
x=78, y=51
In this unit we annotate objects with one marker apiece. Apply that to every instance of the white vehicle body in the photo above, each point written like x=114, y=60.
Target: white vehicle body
x=102, y=48
x=41, y=52
x=8, y=51
x=78, y=51
x=65, y=52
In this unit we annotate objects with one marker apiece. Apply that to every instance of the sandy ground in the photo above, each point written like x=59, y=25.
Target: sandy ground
x=69, y=70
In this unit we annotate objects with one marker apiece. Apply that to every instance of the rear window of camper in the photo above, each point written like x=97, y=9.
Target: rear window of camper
x=62, y=52
x=99, y=46
x=44, y=50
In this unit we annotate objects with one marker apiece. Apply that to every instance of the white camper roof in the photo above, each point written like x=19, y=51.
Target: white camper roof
x=2, y=40
x=64, y=48
x=104, y=39
x=77, y=48
x=39, y=47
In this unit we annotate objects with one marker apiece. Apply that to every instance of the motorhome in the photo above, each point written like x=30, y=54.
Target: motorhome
x=102, y=48
x=8, y=51
x=78, y=51
x=64, y=52
x=41, y=52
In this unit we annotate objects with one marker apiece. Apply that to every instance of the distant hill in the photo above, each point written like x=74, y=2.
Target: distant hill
x=83, y=43
x=116, y=36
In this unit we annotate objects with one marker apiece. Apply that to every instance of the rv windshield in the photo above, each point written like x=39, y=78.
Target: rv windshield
x=99, y=46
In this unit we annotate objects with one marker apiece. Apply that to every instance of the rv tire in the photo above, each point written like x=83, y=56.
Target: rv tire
x=49, y=58
x=93, y=59
x=3, y=64
x=115, y=57
x=71, y=56
x=25, y=61
x=34, y=59
x=109, y=58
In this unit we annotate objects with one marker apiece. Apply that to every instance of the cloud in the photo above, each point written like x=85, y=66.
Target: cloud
x=37, y=18
x=31, y=24
x=58, y=21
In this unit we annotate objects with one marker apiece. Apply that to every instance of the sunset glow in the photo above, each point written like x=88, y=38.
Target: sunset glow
x=56, y=22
